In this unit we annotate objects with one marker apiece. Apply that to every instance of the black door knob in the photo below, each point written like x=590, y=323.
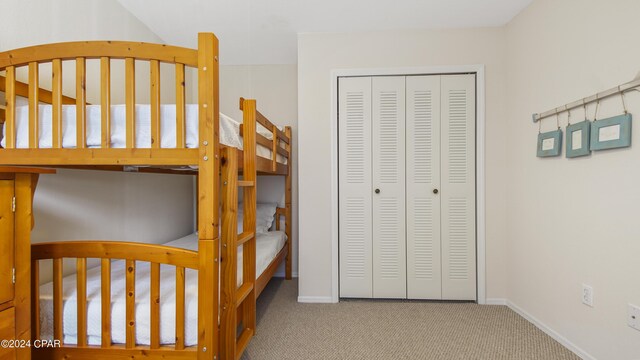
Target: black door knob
x=435, y=191
x=377, y=191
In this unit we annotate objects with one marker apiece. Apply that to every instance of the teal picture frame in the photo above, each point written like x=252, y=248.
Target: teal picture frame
x=549, y=143
x=611, y=133
x=578, y=139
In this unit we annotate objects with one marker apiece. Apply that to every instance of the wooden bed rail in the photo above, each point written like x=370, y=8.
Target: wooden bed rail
x=107, y=251
x=99, y=49
x=79, y=53
x=280, y=142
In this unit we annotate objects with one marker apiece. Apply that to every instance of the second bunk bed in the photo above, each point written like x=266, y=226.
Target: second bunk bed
x=192, y=298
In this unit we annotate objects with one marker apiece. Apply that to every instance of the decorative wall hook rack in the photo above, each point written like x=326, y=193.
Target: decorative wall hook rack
x=621, y=89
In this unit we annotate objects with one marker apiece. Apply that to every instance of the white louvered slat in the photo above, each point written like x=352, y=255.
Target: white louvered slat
x=355, y=128
x=423, y=175
x=389, y=240
x=458, y=239
x=355, y=242
x=389, y=244
x=388, y=140
x=355, y=231
x=423, y=132
x=424, y=240
x=457, y=123
x=458, y=188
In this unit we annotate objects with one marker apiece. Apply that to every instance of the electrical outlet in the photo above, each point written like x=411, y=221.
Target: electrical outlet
x=587, y=295
x=633, y=317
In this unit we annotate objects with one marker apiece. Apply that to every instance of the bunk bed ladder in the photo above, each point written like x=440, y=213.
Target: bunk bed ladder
x=238, y=316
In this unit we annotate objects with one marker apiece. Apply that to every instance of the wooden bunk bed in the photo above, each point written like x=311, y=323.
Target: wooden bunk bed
x=226, y=312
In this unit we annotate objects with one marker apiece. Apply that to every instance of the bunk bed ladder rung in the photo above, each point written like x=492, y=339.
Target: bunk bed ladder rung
x=244, y=237
x=243, y=292
x=245, y=183
x=243, y=341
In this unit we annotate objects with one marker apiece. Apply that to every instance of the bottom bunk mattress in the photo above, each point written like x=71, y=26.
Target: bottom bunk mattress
x=268, y=245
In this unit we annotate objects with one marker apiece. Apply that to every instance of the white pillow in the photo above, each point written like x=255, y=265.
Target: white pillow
x=265, y=214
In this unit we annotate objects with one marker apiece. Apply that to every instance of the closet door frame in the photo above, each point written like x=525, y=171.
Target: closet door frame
x=479, y=71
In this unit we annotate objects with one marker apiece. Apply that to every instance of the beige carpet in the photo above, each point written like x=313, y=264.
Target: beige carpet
x=359, y=329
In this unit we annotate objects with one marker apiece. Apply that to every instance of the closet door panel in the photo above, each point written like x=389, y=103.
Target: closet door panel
x=423, y=177
x=458, y=188
x=355, y=179
x=389, y=241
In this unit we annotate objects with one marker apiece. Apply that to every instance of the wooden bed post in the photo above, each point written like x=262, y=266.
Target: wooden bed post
x=249, y=173
x=238, y=304
x=287, y=203
x=25, y=186
x=228, y=313
x=208, y=187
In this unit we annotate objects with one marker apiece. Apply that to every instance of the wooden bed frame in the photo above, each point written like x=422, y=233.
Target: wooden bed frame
x=223, y=308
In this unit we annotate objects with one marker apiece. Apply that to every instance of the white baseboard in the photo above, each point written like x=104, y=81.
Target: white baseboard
x=315, y=299
x=496, y=301
x=549, y=331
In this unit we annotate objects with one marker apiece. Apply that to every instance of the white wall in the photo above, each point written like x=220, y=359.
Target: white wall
x=318, y=55
x=96, y=205
x=275, y=89
x=574, y=221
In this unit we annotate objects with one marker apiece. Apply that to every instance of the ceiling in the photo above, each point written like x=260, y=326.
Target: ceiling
x=265, y=31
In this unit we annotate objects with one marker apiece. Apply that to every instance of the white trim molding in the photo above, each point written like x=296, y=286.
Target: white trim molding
x=480, y=162
x=549, y=331
x=315, y=299
x=496, y=301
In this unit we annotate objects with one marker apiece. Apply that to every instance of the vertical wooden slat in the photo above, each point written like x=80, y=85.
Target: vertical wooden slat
x=130, y=102
x=249, y=173
x=131, y=303
x=287, y=201
x=35, y=299
x=180, y=107
x=56, y=103
x=180, y=310
x=34, y=124
x=57, y=299
x=105, y=286
x=10, y=112
x=81, y=103
x=228, y=317
x=105, y=101
x=155, y=306
x=155, y=104
x=81, y=271
x=274, y=149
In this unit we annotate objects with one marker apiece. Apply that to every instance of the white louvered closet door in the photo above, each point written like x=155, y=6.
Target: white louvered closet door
x=389, y=239
x=401, y=138
x=355, y=181
x=423, y=177
x=458, y=187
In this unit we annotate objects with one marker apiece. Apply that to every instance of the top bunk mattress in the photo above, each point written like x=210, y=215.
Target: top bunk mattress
x=229, y=128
